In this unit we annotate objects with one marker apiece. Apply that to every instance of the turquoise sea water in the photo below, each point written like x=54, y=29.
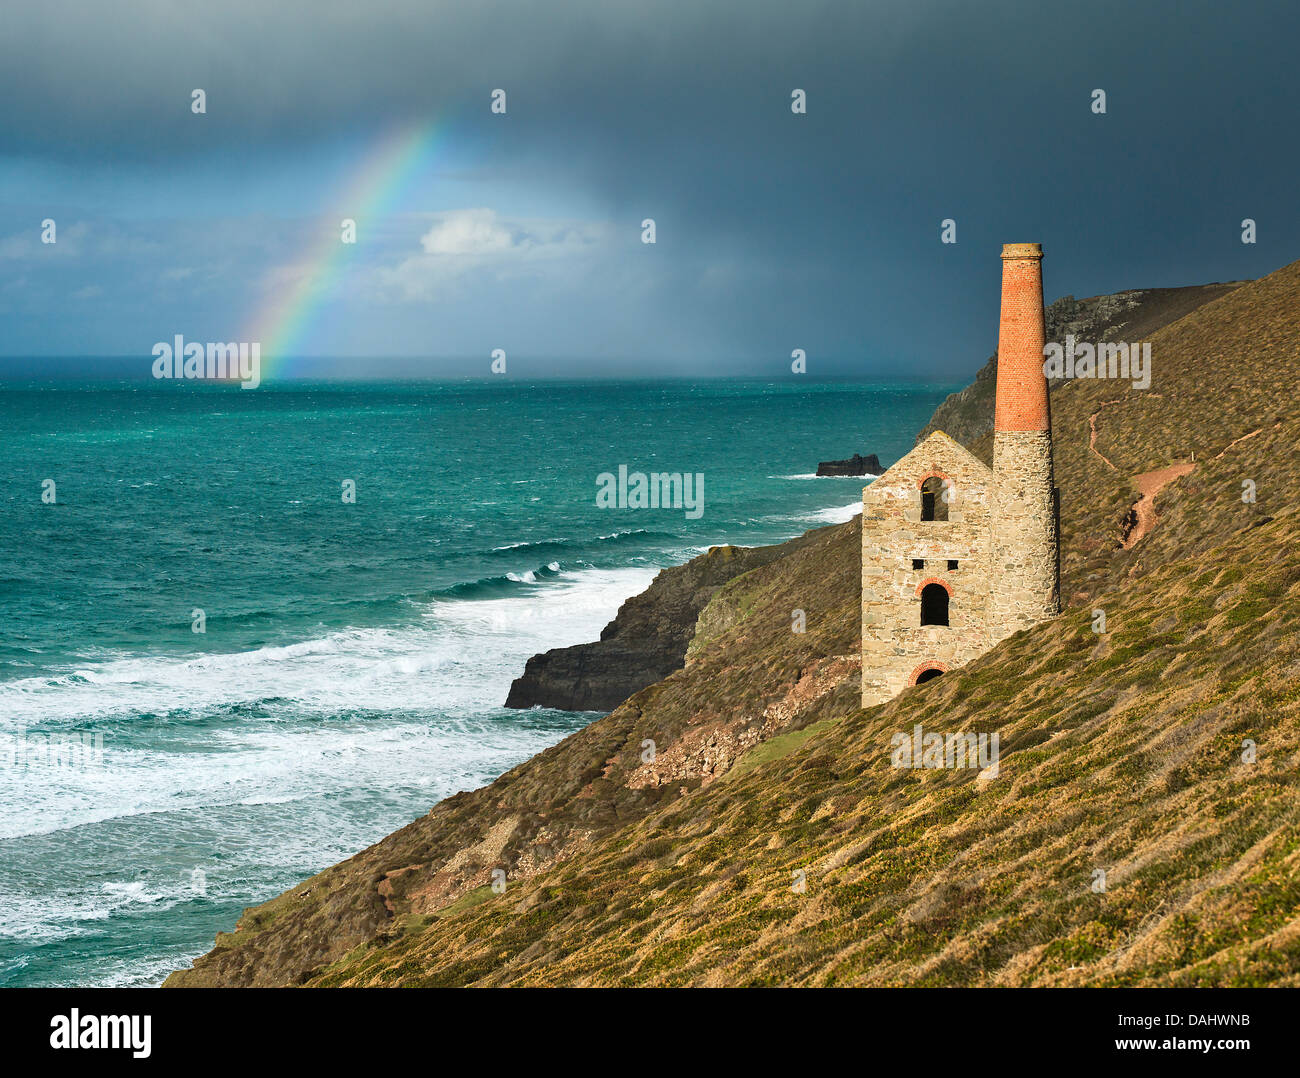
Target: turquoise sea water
x=355, y=655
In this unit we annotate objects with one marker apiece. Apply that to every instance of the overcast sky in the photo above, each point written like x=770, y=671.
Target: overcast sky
x=522, y=231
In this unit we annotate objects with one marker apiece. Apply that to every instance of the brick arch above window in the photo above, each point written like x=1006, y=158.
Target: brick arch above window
x=930, y=665
x=933, y=580
x=934, y=475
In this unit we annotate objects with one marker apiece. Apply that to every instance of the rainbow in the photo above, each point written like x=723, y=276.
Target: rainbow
x=283, y=321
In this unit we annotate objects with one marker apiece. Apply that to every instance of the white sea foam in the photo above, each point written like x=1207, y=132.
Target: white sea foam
x=837, y=514
x=353, y=669
x=530, y=543
x=362, y=709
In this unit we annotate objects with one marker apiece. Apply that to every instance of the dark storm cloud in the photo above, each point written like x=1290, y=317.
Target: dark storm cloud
x=85, y=78
x=821, y=231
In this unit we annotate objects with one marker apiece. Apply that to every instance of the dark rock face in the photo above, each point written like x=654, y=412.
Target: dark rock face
x=592, y=677
x=645, y=642
x=855, y=465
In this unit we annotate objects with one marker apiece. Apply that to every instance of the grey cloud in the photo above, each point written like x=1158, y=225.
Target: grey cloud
x=775, y=231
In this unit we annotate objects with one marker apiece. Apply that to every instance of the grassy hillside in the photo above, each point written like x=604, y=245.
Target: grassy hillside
x=1120, y=752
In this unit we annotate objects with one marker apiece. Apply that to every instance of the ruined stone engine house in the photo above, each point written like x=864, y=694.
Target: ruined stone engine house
x=957, y=556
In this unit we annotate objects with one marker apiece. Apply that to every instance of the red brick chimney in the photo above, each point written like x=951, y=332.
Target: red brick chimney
x=1022, y=387
x=1026, y=586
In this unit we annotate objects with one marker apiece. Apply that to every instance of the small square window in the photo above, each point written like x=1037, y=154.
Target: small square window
x=951, y=565
x=918, y=563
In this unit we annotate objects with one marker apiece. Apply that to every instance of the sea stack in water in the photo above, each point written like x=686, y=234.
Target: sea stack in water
x=956, y=556
x=855, y=465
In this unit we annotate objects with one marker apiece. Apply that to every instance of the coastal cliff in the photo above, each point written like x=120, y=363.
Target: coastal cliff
x=739, y=821
x=649, y=637
x=644, y=643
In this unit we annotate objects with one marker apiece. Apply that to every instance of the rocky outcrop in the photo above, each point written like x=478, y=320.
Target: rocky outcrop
x=645, y=642
x=593, y=677
x=855, y=465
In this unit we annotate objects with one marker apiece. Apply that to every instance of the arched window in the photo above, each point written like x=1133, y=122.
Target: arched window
x=934, y=605
x=929, y=674
x=933, y=504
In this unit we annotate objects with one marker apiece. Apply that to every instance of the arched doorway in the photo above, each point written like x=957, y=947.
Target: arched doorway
x=927, y=671
x=934, y=605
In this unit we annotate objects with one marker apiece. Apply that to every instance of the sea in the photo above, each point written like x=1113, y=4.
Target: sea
x=245, y=634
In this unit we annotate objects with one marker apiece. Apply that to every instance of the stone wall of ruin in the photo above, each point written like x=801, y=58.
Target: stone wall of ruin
x=894, y=643
x=1025, y=573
